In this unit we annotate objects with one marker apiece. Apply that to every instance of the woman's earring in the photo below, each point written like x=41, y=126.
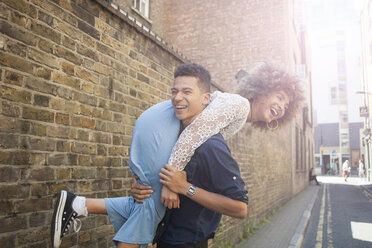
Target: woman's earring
x=272, y=127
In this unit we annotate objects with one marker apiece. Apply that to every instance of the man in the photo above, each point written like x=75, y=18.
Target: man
x=211, y=184
x=313, y=177
x=154, y=135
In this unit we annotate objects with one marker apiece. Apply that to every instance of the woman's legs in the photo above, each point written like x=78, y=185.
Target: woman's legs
x=125, y=245
x=96, y=206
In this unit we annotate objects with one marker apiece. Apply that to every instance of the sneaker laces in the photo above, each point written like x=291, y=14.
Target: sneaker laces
x=77, y=224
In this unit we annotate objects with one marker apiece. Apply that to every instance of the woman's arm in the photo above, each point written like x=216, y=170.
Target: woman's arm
x=227, y=113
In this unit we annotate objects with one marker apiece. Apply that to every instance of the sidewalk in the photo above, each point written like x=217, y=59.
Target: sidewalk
x=287, y=227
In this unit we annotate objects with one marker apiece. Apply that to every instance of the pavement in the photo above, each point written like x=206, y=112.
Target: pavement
x=288, y=226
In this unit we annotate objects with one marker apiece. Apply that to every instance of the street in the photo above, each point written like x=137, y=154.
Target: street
x=342, y=215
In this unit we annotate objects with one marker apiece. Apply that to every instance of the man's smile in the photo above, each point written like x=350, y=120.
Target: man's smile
x=181, y=106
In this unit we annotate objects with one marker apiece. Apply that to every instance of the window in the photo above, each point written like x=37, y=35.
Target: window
x=343, y=116
x=142, y=6
x=334, y=95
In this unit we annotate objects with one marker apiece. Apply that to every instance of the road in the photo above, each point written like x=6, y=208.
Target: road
x=342, y=215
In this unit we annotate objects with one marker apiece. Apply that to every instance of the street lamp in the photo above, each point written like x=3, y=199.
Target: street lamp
x=363, y=92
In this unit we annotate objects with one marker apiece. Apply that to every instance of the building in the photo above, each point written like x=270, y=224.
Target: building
x=333, y=31
x=75, y=75
x=366, y=34
x=329, y=156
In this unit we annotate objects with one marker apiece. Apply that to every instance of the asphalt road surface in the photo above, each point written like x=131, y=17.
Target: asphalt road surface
x=342, y=215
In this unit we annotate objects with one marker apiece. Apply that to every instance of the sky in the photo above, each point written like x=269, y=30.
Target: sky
x=329, y=24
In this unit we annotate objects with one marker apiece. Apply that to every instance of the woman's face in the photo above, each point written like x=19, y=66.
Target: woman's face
x=270, y=107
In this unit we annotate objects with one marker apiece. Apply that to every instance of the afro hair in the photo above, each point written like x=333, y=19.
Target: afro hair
x=263, y=79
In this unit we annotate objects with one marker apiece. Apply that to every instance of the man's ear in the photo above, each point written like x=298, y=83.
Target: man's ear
x=207, y=98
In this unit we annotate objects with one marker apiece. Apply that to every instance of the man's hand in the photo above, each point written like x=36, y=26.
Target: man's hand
x=175, y=180
x=169, y=198
x=138, y=191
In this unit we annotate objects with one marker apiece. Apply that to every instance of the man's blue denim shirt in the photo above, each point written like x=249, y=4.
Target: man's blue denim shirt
x=211, y=168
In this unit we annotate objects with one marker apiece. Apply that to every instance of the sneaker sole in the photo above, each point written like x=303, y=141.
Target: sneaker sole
x=57, y=219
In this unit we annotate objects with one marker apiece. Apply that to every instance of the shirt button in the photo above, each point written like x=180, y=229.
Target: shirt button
x=234, y=177
x=162, y=224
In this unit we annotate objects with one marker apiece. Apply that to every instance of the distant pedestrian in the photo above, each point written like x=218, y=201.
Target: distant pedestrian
x=346, y=169
x=361, y=169
x=312, y=177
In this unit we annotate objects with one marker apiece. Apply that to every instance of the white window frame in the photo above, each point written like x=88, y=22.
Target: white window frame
x=143, y=7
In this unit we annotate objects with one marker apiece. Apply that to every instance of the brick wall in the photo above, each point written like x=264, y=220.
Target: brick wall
x=155, y=22
x=229, y=35
x=73, y=80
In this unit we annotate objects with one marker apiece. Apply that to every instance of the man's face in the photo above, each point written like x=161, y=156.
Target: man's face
x=188, y=99
x=271, y=106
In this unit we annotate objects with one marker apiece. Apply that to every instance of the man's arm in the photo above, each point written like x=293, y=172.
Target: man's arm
x=176, y=181
x=138, y=191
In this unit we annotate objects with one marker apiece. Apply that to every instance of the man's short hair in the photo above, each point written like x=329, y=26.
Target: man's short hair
x=198, y=71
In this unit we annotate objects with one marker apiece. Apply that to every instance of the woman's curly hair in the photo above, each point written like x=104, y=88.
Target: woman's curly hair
x=263, y=79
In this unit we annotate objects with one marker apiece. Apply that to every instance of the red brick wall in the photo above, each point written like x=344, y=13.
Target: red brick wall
x=73, y=80
x=228, y=35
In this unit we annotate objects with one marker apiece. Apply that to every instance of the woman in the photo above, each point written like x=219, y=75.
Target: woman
x=361, y=169
x=275, y=99
x=273, y=96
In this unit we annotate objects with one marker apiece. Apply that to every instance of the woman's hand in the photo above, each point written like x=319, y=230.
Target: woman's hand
x=175, y=180
x=169, y=198
x=138, y=191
